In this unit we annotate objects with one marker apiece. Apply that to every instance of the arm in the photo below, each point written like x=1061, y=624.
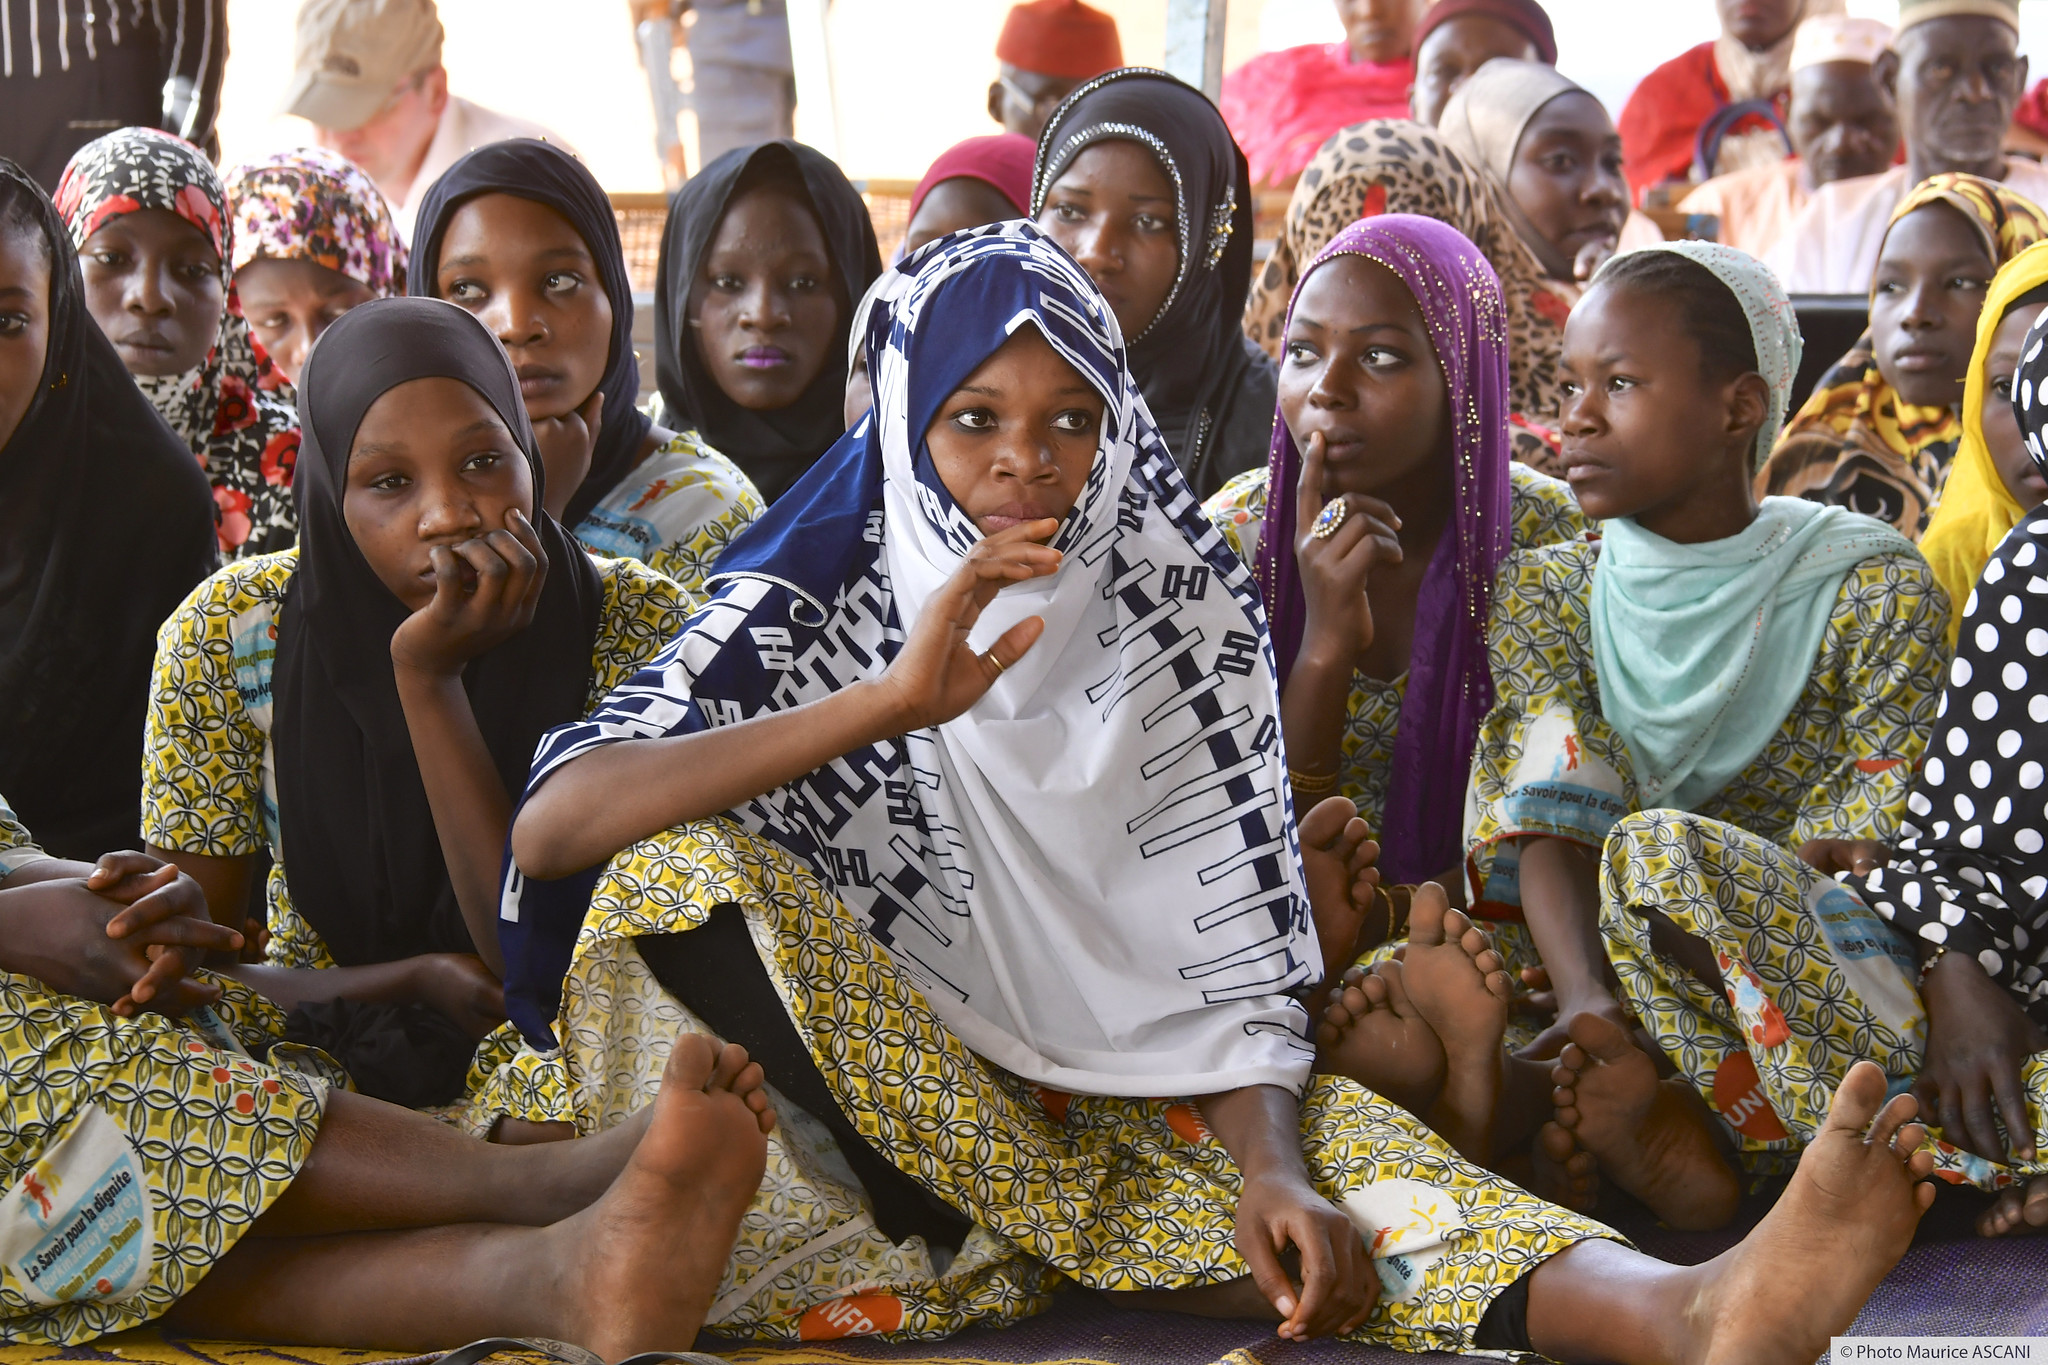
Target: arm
x=1338, y=628
x=1260, y=1126
x=611, y=797
x=1561, y=904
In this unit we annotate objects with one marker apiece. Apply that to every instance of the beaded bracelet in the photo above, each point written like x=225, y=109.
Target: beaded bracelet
x=1937, y=955
x=1312, y=784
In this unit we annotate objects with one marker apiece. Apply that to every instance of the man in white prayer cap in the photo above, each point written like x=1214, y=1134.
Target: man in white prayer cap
x=1840, y=124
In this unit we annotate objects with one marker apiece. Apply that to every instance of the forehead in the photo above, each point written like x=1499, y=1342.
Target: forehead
x=508, y=221
x=1118, y=163
x=1472, y=40
x=768, y=218
x=417, y=410
x=159, y=229
x=1351, y=291
x=24, y=258
x=1834, y=81
x=1959, y=37
x=1574, y=114
x=1936, y=233
x=2010, y=337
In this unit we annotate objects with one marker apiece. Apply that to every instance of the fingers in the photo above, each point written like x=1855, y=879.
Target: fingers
x=1318, y=1276
x=1009, y=647
x=114, y=869
x=1308, y=493
x=2012, y=1103
x=1983, y=1133
x=183, y=931
x=1267, y=1274
x=162, y=898
x=163, y=973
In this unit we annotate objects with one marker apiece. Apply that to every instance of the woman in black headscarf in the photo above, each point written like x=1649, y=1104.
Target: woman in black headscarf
x=1138, y=178
x=106, y=522
x=766, y=249
x=433, y=622
x=521, y=234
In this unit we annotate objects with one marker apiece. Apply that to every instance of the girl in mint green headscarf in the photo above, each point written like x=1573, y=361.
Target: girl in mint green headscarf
x=1774, y=666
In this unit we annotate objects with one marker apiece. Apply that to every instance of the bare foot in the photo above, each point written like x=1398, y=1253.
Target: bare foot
x=1372, y=1032
x=2021, y=1211
x=641, y=1264
x=1337, y=861
x=1461, y=987
x=1652, y=1138
x=1562, y=1171
x=1846, y=1218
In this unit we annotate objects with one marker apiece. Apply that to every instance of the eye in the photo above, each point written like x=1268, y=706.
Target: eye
x=1888, y=287
x=2002, y=385
x=193, y=273
x=1074, y=421
x=1573, y=388
x=561, y=282
x=1620, y=383
x=1068, y=213
x=109, y=257
x=389, y=483
x=1301, y=353
x=13, y=324
x=1557, y=163
x=1970, y=282
x=1151, y=222
x=466, y=291
x=975, y=419
x=806, y=284
x=484, y=461
x=728, y=284
x=1377, y=357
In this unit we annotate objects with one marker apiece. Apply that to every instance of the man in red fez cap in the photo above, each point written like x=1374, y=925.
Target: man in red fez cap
x=1046, y=49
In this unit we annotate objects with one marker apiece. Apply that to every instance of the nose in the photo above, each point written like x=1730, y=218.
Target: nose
x=1920, y=314
x=514, y=318
x=448, y=514
x=1095, y=247
x=148, y=292
x=1580, y=415
x=1325, y=393
x=764, y=307
x=1605, y=189
x=1025, y=456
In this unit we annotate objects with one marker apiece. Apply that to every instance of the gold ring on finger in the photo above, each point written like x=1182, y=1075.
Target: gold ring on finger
x=1330, y=518
x=990, y=658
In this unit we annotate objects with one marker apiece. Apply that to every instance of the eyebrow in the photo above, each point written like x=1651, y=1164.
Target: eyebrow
x=21, y=289
x=987, y=391
x=476, y=428
x=571, y=252
x=1393, y=327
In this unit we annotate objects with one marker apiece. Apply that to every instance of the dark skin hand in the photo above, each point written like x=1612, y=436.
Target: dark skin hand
x=1113, y=211
x=290, y=303
x=2002, y=438
x=1932, y=274
x=1840, y=123
x=125, y=932
x=1454, y=50
x=152, y=282
x=767, y=311
x=1566, y=194
x=1978, y=1039
x=1279, y=1208
x=1954, y=83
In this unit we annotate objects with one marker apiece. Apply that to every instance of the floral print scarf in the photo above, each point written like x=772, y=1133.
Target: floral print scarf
x=234, y=410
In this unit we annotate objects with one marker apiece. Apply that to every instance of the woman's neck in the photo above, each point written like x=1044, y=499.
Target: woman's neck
x=1713, y=509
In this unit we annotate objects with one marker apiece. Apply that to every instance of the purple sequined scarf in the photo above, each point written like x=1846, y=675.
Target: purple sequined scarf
x=1449, y=686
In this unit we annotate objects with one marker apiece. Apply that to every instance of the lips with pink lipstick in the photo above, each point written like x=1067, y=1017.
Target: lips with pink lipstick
x=765, y=357
x=1013, y=514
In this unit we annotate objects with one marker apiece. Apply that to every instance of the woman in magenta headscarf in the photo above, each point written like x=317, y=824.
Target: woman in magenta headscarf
x=1375, y=530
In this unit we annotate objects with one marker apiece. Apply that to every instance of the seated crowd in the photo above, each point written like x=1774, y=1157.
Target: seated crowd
x=520, y=860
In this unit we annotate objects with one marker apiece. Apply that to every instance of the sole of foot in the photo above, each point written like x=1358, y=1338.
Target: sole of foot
x=649, y=1254
x=1562, y=1171
x=1337, y=859
x=1652, y=1138
x=1372, y=1033
x=1845, y=1219
x=1462, y=989
x=2018, y=1212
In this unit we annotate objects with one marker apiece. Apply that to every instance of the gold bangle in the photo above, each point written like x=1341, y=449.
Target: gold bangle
x=1312, y=784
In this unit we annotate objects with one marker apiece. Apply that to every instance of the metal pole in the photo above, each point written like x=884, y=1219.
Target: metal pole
x=1194, y=43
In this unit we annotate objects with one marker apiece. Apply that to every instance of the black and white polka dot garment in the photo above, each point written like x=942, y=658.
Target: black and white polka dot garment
x=1971, y=871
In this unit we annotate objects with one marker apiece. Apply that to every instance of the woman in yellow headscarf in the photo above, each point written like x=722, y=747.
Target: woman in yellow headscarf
x=1879, y=433
x=1992, y=483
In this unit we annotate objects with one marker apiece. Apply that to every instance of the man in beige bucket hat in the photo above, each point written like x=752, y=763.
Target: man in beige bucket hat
x=368, y=75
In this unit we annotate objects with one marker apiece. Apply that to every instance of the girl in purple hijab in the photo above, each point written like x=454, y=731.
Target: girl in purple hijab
x=1393, y=503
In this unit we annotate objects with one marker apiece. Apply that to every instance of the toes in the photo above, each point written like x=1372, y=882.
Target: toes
x=732, y=1063
x=1324, y=825
x=1358, y=1000
x=1426, y=915
x=2035, y=1208
x=1376, y=990
x=1500, y=985
x=1557, y=1143
x=1857, y=1099
x=691, y=1061
x=1600, y=1037
x=1896, y=1115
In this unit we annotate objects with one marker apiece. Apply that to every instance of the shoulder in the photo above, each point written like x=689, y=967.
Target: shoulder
x=1889, y=592
x=689, y=459
x=1241, y=500
x=1690, y=74
x=1552, y=582
x=1857, y=194
x=1543, y=509
x=2029, y=178
x=634, y=592
x=229, y=593
x=480, y=124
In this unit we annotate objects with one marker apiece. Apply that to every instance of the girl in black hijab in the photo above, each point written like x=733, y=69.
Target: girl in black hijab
x=766, y=249
x=106, y=522
x=521, y=234
x=433, y=622
x=1139, y=179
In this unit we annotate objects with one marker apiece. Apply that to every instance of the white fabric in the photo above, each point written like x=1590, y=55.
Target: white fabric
x=464, y=127
x=1832, y=246
x=1838, y=38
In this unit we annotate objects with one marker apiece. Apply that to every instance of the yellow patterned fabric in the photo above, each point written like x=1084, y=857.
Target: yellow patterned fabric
x=1116, y=1193
x=176, y=1148
x=209, y=776
x=17, y=848
x=1839, y=766
x=1814, y=981
x=675, y=512
x=1544, y=513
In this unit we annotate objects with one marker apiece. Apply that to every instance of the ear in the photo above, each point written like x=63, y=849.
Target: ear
x=995, y=101
x=1885, y=72
x=2019, y=77
x=437, y=89
x=1749, y=401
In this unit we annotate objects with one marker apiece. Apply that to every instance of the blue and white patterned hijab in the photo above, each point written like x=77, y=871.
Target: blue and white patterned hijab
x=1093, y=875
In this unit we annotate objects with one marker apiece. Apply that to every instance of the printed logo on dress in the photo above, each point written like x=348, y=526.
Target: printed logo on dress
x=78, y=1224
x=1739, y=1096
x=1407, y=1226
x=857, y=1315
x=1763, y=1023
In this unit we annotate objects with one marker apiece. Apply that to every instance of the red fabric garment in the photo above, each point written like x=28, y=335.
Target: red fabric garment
x=1283, y=105
x=1001, y=161
x=2032, y=114
x=1661, y=121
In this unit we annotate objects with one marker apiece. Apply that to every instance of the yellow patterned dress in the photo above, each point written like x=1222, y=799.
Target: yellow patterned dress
x=1544, y=513
x=209, y=773
x=1814, y=981
x=1115, y=1193
x=1548, y=763
x=133, y=1155
x=674, y=512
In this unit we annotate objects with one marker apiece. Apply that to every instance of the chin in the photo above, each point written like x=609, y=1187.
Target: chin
x=757, y=394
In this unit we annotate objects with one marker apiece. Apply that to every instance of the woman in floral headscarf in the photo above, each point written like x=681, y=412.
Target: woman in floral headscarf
x=313, y=238
x=150, y=220
x=1880, y=430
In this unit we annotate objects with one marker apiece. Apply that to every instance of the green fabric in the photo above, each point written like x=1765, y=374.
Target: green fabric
x=1701, y=650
